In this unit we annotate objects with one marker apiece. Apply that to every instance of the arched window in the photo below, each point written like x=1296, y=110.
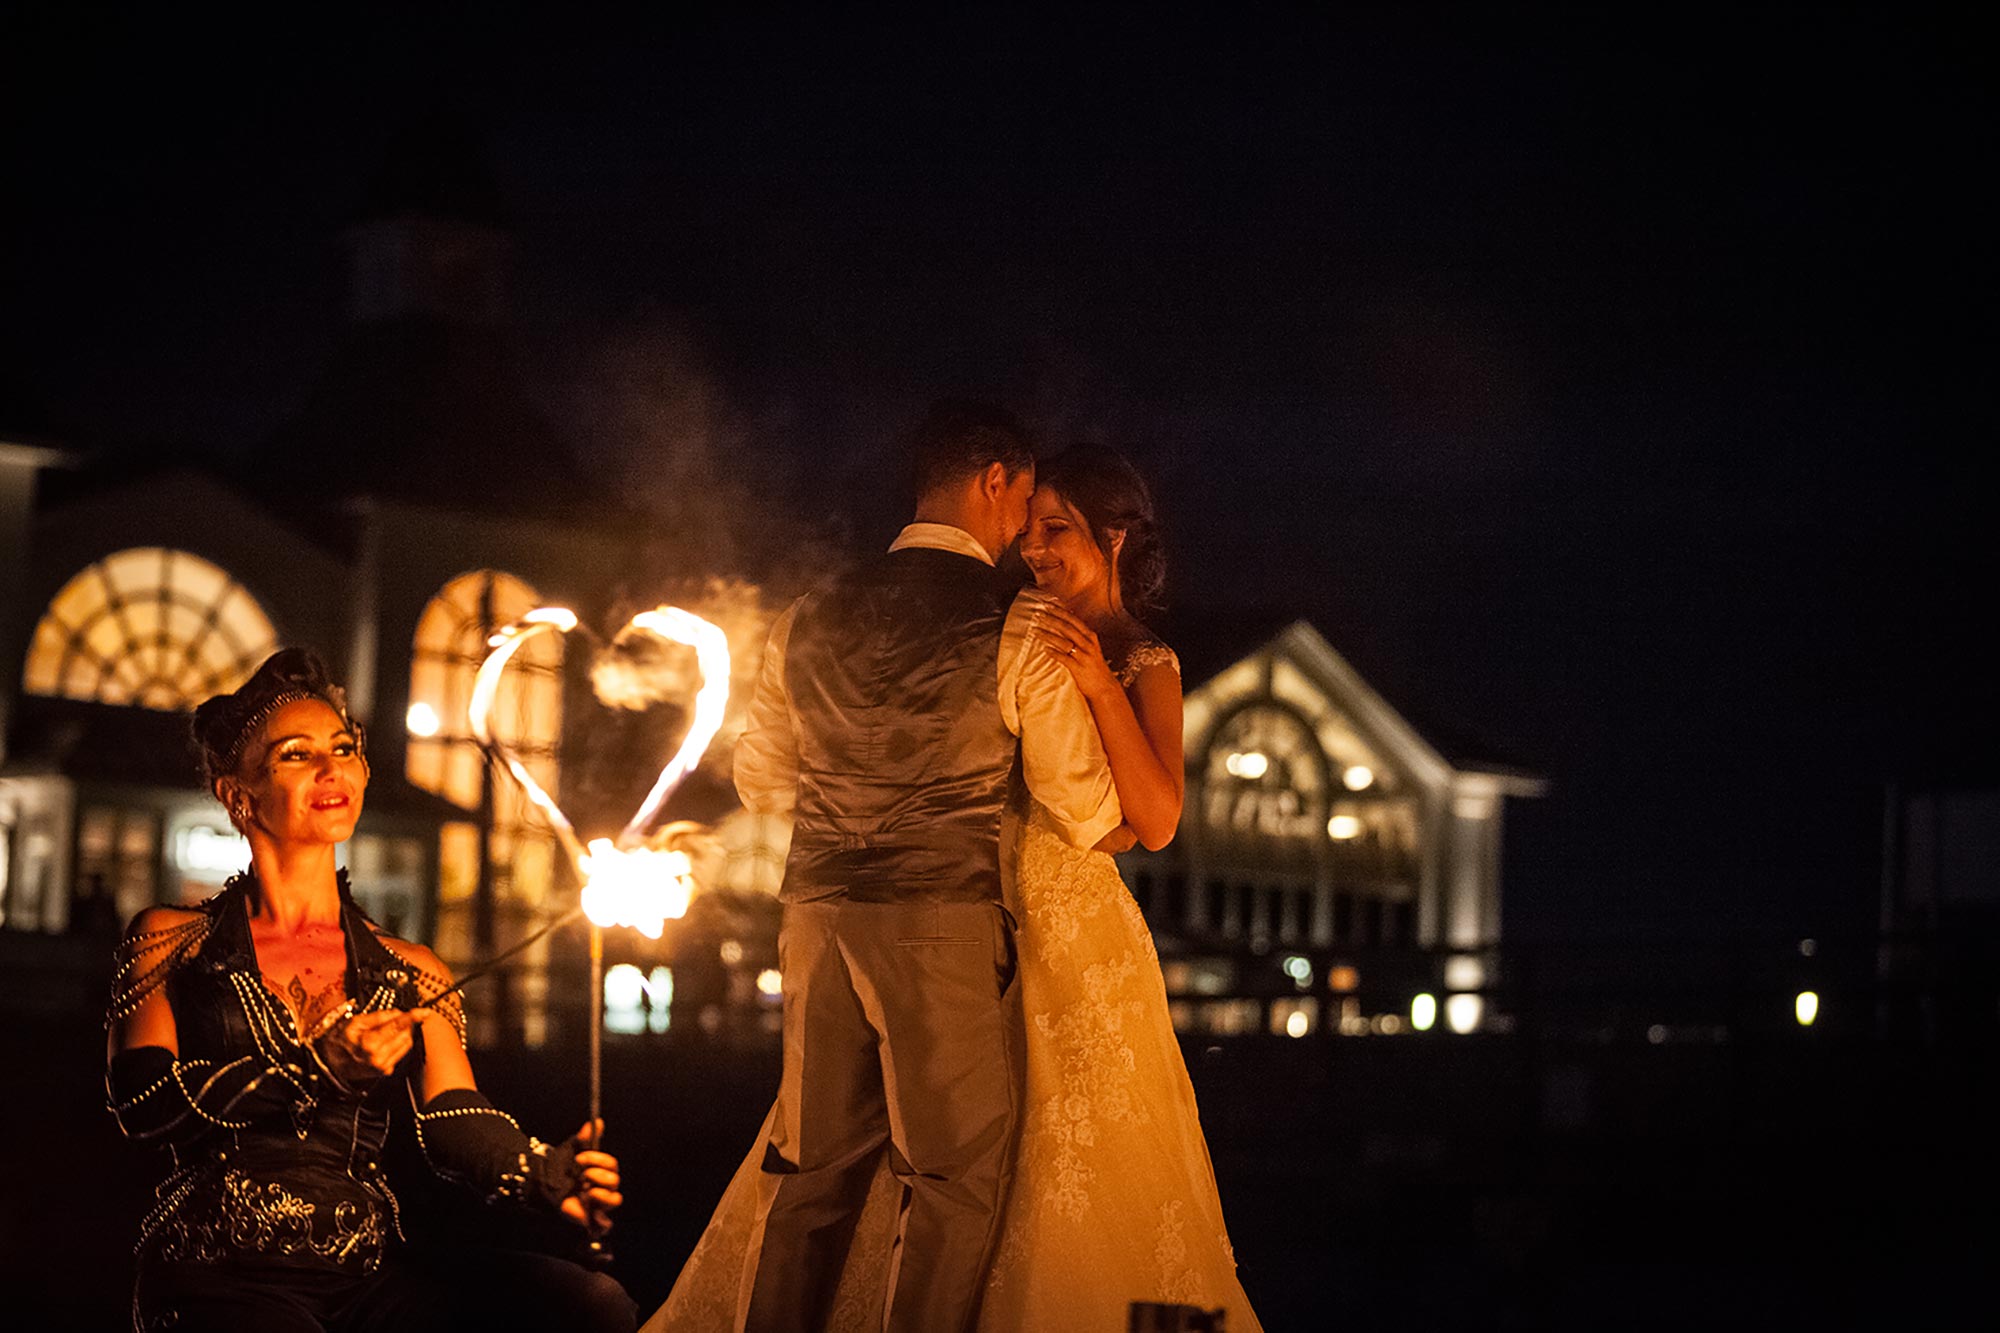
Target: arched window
x=150, y=627
x=443, y=757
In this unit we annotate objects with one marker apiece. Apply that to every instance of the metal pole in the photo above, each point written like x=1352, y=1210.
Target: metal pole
x=599, y=1255
x=596, y=1023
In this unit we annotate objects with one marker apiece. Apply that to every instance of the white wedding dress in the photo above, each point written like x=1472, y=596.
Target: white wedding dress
x=1114, y=1200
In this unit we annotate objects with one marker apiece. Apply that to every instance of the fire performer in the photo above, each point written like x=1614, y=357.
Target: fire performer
x=268, y=1037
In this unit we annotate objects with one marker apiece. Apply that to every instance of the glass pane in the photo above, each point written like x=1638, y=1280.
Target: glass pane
x=80, y=678
x=534, y=870
x=434, y=628
x=136, y=570
x=145, y=657
x=458, y=862
x=106, y=638
x=163, y=696
x=216, y=656
x=45, y=658
x=185, y=625
x=424, y=765
x=246, y=626
x=81, y=598
x=196, y=581
x=462, y=769
x=143, y=616
x=192, y=683
x=116, y=689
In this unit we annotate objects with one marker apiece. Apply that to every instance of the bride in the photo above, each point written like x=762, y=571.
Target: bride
x=1114, y=1200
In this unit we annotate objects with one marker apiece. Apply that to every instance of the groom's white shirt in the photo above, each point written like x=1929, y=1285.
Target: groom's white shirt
x=1062, y=757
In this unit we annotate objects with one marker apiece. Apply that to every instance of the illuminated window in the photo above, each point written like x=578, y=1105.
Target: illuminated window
x=148, y=627
x=450, y=644
x=1266, y=781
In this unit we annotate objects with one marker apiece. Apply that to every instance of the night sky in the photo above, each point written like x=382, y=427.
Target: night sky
x=1609, y=389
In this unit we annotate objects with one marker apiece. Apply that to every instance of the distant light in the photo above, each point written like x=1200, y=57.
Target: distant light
x=1464, y=971
x=1807, y=948
x=1297, y=1024
x=1342, y=827
x=202, y=850
x=1299, y=969
x=771, y=981
x=1424, y=1012
x=422, y=719
x=1247, y=764
x=636, y=1001
x=1388, y=1024
x=732, y=952
x=1358, y=777
x=1463, y=1012
x=1806, y=1007
x=1657, y=1034
x=1342, y=978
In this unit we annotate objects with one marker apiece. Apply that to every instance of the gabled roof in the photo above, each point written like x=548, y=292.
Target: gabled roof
x=1224, y=641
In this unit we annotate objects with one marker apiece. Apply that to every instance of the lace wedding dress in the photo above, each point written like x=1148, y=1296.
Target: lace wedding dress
x=1114, y=1200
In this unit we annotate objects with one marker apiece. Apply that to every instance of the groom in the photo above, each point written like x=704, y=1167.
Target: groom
x=893, y=709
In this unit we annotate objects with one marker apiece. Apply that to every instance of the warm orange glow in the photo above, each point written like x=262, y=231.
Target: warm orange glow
x=639, y=887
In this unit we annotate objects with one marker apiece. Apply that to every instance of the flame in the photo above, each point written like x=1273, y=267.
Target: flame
x=636, y=887
x=711, y=651
x=625, y=883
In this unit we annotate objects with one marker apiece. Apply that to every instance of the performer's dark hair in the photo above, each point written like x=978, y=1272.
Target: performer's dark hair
x=1102, y=485
x=225, y=724
x=960, y=438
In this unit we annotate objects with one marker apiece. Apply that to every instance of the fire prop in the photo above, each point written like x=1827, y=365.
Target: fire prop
x=625, y=883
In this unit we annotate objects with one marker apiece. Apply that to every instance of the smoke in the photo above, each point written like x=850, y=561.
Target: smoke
x=637, y=671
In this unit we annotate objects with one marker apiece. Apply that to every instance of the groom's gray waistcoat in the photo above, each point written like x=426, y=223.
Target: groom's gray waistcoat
x=904, y=763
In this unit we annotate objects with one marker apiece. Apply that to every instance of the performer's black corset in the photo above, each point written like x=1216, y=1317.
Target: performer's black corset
x=297, y=1189
x=904, y=763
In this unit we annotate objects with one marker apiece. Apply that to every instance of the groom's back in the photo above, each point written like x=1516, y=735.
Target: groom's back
x=904, y=760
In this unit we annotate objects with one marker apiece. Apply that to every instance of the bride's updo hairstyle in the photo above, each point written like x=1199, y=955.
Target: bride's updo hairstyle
x=1107, y=491
x=225, y=725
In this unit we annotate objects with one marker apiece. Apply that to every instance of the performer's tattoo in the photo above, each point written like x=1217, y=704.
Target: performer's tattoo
x=307, y=1009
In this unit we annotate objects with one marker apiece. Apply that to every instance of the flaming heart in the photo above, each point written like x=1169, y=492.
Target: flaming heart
x=624, y=883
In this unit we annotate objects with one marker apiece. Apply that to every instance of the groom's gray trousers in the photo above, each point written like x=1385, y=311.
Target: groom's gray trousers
x=901, y=1034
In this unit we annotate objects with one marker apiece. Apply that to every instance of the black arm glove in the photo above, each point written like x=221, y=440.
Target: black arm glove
x=466, y=1140
x=153, y=1095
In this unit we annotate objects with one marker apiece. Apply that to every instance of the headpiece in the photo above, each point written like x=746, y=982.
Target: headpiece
x=224, y=725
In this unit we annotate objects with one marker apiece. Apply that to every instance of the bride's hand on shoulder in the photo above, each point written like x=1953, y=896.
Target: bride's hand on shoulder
x=1075, y=646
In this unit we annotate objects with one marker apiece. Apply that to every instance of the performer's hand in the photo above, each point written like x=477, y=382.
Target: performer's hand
x=368, y=1046
x=598, y=1195
x=1074, y=645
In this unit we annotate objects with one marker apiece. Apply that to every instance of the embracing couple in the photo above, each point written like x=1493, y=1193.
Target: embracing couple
x=984, y=1120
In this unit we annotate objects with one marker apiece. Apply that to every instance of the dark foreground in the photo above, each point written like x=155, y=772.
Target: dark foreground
x=1371, y=1184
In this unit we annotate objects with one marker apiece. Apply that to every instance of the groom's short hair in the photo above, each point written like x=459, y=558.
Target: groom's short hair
x=960, y=438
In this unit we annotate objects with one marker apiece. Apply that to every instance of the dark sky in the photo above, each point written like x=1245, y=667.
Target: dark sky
x=1609, y=387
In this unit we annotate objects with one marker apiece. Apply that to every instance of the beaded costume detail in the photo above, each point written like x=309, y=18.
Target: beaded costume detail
x=264, y=1218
